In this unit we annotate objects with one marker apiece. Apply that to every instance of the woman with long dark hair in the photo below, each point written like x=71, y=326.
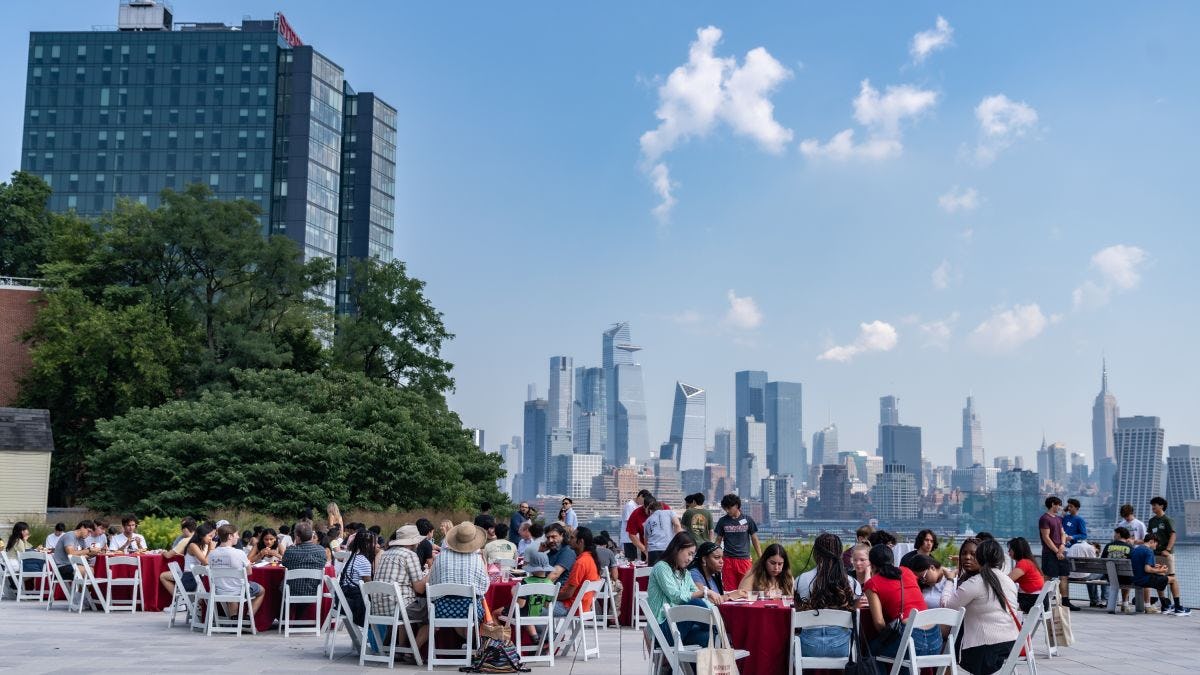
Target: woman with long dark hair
x=1025, y=573
x=772, y=574
x=671, y=584
x=17, y=544
x=707, y=568
x=826, y=586
x=990, y=625
x=194, y=553
x=267, y=547
x=892, y=593
x=968, y=566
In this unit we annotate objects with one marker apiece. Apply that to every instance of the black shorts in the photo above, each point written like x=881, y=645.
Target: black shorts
x=1026, y=601
x=1157, y=582
x=67, y=572
x=1052, y=567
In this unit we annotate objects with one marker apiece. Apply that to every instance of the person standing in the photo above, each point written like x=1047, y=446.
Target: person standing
x=697, y=521
x=637, y=519
x=1074, y=526
x=1164, y=552
x=1054, y=550
x=736, y=533
x=659, y=529
x=521, y=515
x=570, y=518
x=627, y=546
x=1137, y=529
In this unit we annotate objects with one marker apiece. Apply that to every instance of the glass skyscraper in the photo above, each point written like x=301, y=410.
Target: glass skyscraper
x=247, y=110
x=786, y=454
x=688, y=427
x=628, y=436
x=902, y=448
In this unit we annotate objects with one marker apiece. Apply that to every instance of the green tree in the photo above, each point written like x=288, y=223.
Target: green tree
x=278, y=441
x=394, y=334
x=25, y=224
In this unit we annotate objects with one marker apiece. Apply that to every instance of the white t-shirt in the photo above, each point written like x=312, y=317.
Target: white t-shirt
x=1080, y=550
x=228, y=557
x=118, y=540
x=805, y=581
x=91, y=539
x=659, y=529
x=1136, y=527
x=53, y=537
x=630, y=507
x=285, y=540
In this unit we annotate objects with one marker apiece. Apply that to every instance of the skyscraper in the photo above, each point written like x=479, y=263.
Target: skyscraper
x=247, y=110
x=752, y=464
x=778, y=497
x=970, y=452
x=896, y=496
x=723, y=451
x=1016, y=503
x=688, y=427
x=901, y=447
x=1138, y=445
x=1183, y=475
x=535, y=450
x=1053, y=468
x=784, y=415
x=1104, y=424
x=825, y=445
x=561, y=395
x=628, y=436
x=591, y=411
x=749, y=405
x=889, y=415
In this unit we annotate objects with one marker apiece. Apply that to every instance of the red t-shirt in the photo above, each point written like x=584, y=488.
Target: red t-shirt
x=637, y=520
x=1031, y=581
x=583, y=570
x=888, y=591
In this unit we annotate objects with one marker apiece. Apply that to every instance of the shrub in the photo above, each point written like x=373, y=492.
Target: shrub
x=159, y=531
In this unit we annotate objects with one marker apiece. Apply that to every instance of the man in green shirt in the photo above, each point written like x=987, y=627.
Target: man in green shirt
x=697, y=521
x=1164, y=552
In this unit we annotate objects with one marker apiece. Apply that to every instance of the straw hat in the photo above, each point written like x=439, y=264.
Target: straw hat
x=465, y=537
x=406, y=536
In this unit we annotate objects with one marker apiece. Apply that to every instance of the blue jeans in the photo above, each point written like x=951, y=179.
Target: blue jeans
x=927, y=641
x=690, y=632
x=825, y=642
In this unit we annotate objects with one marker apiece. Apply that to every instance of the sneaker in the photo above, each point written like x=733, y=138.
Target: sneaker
x=1070, y=606
x=1153, y=609
x=1182, y=611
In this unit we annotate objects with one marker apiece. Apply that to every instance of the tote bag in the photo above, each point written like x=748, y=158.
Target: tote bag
x=716, y=660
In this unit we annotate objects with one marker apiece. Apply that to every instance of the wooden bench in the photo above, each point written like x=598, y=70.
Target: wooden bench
x=1112, y=569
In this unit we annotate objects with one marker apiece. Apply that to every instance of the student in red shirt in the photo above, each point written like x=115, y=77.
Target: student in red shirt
x=637, y=520
x=1025, y=572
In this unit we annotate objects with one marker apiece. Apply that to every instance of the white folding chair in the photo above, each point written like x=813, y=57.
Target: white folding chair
x=8, y=575
x=133, y=583
x=339, y=561
x=1048, y=597
x=57, y=582
x=36, y=586
x=818, y=618
x=532, y=653
x=182, y=596
x=606, y=600
x=454, y=657
x=288, y=625
x=203, y=595
x=1024, y=641
x=657, y=642
x=640, y=573
x=338, y=617
x=906, y=655
x=695, y=614
x=85, y=587
x=572, y=628
x=377, y=625
x=235, y=591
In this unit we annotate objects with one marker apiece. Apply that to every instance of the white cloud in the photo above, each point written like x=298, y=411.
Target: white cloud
x=743, y=312
x=876, y=336
x=959, y=200
x=928, y=41
x=882, y=115
x=1001, y=122
x=1008, y=329
x=941, y=276
x=709, y=89
x=1119, y=270
x=687, y=317
x=937, y=333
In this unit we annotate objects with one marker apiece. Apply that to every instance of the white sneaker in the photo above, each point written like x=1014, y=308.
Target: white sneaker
x=1153, y=609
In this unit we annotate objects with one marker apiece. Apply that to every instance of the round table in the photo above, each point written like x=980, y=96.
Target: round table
x=625, y=610
x=270, y=577
x=154, y=596
x=762, y=628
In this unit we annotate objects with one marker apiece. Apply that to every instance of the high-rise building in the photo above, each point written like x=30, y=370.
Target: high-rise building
x=1004, y=463
x=874, y=467
x=970, y=452
x=1138, y=444
x=723, y=451
x=573, y=474
x=834, y=493
x=247, y=110
x=561, y=395
x=778, y=498
x=901, y=446
x=688, y=427
x=752, y=464
x=749, y=405
x=1052, y=465
x=784, y=416
x=558, y=444
x=1017, y=504
x=977, y=479
x=855, y=462
x=889, y=415
x=896, y=496
x=510, y=455
x=591, y=411
x=1104, y=424
x=825, y=445
x=628, y=436
x=535, y=451
x=1183, y=476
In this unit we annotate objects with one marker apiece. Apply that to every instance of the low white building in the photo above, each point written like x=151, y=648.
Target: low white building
x=26, y=445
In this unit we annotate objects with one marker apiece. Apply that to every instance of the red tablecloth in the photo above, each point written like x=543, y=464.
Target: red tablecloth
x=499, y=596
x=763, y=629
x=625, y=611
x=154, y=596
x=270, y=577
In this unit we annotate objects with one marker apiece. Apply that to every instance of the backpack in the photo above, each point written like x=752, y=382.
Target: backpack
x=495, y=656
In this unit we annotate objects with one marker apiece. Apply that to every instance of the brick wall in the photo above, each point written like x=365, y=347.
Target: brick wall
x=17, y=310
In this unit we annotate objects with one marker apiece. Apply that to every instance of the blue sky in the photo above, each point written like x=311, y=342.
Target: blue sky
x=1062, y=138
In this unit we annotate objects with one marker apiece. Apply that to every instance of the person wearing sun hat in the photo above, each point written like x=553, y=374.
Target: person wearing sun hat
x=399, y=564
x=460, y=563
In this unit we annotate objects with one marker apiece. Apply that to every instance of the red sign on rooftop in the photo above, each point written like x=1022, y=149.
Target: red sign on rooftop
x=285, y=30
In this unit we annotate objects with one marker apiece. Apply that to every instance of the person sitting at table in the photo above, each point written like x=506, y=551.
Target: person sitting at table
x=860, y=563
x=772, y=574
x=606, y=562
x=17, y=544
x=333, y=539
x=926, y=542
x=226, y=556
x=707, y=567
x=583, y=570
x=537, y=534
x=196, y=552
x=930, y=577
x=187, y=527
x=53, y=537
x=400, y=565
x=426, y=548
x=74, y=543
x=127, y=540
x=98, y=537
x=826, y=586
x=1026, y=573
x=670, y=584
x=268, y=548
x=860, y=537
x=500, y=548
x=460, y=563
x=524, y=537
x=537, y=570
x=882, y=537
x=561, y=555
x=892, y=593
x=989, y=626
x=967, y=565
x=304, y=554
x=285, y=536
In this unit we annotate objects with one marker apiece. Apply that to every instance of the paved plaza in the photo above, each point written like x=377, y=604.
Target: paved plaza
x=34, y=640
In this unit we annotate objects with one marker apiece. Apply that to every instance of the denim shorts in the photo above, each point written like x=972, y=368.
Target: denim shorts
x=825, y=642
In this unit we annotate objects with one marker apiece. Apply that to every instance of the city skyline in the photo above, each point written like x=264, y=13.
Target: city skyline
x=997, y=249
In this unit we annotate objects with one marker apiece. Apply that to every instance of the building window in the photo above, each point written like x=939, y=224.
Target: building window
x=214, y=179
x=81, y=53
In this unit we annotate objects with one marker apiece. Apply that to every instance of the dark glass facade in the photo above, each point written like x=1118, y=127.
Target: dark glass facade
x=113, y=114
